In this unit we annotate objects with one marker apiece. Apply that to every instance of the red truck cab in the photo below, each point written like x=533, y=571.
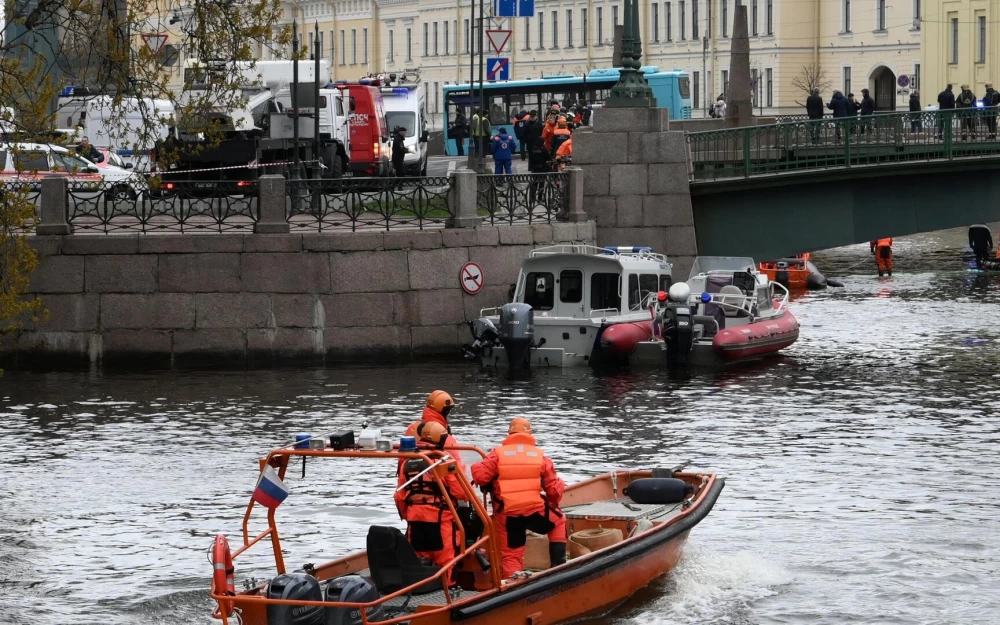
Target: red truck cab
x=369, y=135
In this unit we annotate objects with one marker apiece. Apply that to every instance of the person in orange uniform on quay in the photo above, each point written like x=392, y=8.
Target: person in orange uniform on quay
x=882, y=249
x=431, y=528
x=515, y=474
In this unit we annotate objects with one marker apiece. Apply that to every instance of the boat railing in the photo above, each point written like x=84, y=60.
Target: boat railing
x=727, y=301
x=784, y=298
x=595, y=250
x=280, y=459
x=493, y=311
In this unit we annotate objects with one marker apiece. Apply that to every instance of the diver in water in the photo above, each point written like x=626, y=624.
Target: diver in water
x=981, y=242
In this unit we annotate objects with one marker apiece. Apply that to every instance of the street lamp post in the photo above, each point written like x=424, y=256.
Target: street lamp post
x=632, y=90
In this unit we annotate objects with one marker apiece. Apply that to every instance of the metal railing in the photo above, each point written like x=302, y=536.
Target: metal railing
x=31, y=190
x=135, y=205
x=522, y=198
x=829, y=143
x=369, y=203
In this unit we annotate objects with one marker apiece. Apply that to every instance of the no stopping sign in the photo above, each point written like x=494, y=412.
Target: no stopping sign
x=471, y=278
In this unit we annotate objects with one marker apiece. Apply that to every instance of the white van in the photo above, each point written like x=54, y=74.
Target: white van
x=130, y=129
x=406, y=105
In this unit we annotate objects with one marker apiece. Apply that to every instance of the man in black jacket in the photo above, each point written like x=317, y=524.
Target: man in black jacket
x=981, y=242
x=915, y=109
x=946, y=102
x=966, y=100
x=814, y=109
x=840, y=107
x=990, y=102
x=867, y=110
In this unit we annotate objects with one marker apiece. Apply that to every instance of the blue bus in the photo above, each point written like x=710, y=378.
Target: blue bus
x=505, y=99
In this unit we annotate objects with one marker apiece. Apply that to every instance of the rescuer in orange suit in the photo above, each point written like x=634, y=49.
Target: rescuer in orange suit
x=431, y=528
x=439, y=404
x=882, y=249
x=515, y=474
x=549, y=130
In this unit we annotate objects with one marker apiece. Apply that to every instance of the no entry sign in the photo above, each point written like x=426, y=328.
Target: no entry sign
x=471, y=278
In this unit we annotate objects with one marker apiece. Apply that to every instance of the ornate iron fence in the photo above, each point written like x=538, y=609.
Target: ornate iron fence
x=843, y=143
x=522, y=198
x=135, y=205
x=369, y=203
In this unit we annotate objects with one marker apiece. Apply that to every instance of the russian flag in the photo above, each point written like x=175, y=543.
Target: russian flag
x=270, y=491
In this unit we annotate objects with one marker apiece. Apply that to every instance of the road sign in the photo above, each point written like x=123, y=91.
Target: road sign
x=498, y=68
x=903, y=81
x=154, y=41
x=498, y=39
x=514, y=8
x=471, y=278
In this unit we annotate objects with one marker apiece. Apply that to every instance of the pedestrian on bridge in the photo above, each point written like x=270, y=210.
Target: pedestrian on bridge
x=867, y=110
x=946, y=102
x=814, y=109
x=967, y=102
x=915, y=109
x=840, y=106
x=991, y=99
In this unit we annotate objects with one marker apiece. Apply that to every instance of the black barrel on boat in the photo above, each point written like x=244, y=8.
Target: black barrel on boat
x=300, y=587
x=517, y=333
x=658, y=490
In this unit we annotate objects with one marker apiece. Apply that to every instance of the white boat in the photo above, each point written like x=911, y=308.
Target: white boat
x=727, y=312
x=565, y=296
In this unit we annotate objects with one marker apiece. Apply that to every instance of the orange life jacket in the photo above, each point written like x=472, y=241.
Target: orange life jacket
x=423, y=501
x=886, y=242
x=519, y=476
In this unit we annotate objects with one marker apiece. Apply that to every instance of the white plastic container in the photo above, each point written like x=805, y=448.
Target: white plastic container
x=368, y=440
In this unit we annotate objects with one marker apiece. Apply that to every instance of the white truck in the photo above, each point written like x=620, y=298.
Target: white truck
x=130, y=129
x=406, y=106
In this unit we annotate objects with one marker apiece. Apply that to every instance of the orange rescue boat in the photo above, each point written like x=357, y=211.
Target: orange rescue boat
x=796, y=273
x=654, y=510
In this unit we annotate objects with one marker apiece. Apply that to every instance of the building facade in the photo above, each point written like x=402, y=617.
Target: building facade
x=834, y=44
x=958, y=44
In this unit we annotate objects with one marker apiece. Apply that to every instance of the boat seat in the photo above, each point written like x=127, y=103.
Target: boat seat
x=394, y=564
x=733, y=296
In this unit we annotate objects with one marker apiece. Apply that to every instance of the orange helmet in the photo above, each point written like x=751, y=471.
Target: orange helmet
x=440, y=402
x=519, y=425
x=432, y=432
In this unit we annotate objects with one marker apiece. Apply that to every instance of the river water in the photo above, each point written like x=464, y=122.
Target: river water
x=862, y=467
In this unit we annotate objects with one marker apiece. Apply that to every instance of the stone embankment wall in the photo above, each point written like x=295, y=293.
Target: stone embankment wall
x=255, y=299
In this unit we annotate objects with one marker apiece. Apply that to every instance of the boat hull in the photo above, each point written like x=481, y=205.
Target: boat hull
x=619, y=340
x=758, y=339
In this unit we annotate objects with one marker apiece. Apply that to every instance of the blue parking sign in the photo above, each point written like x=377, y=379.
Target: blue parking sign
x=513, y=8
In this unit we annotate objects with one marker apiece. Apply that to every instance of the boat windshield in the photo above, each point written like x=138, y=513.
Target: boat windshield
x=707, y=264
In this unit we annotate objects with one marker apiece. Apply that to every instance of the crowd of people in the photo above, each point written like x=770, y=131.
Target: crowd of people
x=546, y=143
x=521, y=480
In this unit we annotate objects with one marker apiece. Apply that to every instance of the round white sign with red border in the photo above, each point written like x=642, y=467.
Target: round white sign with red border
x=471, y=278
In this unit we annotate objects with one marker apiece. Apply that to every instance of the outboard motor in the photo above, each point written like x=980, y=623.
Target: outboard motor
x=517, y=333
x=295, y=586
x=781, y=273
x=485, y=335
x=678, y=324
x=352, y=589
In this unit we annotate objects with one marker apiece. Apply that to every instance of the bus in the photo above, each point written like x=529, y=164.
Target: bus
x=671, y=89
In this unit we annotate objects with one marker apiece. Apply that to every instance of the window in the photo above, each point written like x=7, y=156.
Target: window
x=454, y=29
x=665, y=282
x=681, y=19
x=753, y=18
x=446, y=47
x=354, y=46
x=437, y=96
x=364, y=42
x=427, y=40
x=541, y=31
x=755, y=81
x=585, y=34
x=468, y=31
x=694, y=20
x=538, y=290
x=916, y=15
x=605, y=292
x=569, y=28
x=954, y=40
x=600, y=27
x=31, y=161
x=880, y=15
x=847, y=80
x=725, y=18
x=343, y=48
x=655, y=18
x=847, y=16
x=409, y=44
x=312, y=45
x=555, y=29
x=614, y=18
x=670, y=34
x=392, y=47
x=435, y=39
x=571, y=286
x=916, y=76
x=322, y=46
x=982, y=39
x=770, y=16
x=770, y=87
x=639, y=288
x=333, y=47
x=725, y=82
x=696, y=90
x=527, y=33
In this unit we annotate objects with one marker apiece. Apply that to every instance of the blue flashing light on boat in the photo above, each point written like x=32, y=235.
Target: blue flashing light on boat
x=706, y=297
x=364, y=81
x=408, y=443
x=302, y=441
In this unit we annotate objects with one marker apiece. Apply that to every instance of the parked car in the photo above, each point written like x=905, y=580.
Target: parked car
x=30, y=162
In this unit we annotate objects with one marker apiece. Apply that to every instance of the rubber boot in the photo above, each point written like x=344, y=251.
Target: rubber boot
x=557, y=554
